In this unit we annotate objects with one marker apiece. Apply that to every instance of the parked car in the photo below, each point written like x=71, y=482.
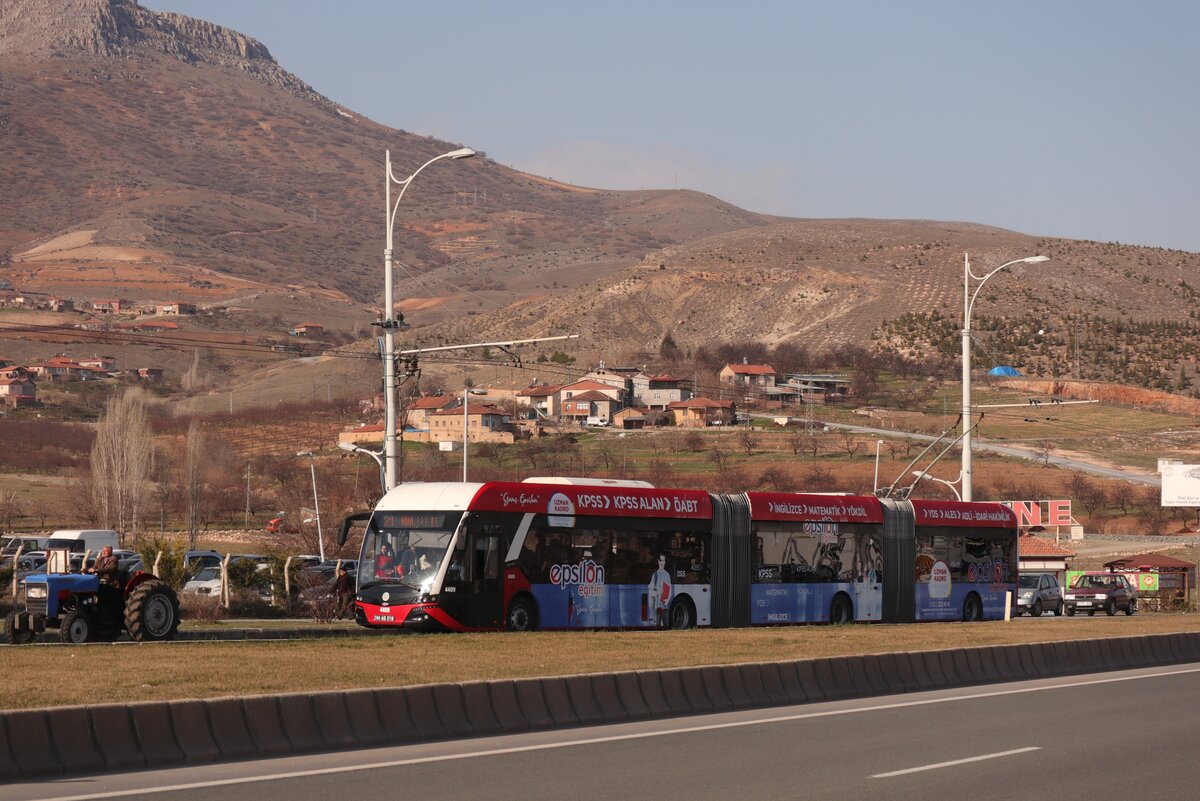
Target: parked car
x=1037, y=592
x=1107, y=591
x=206, y=582
x=195, y=561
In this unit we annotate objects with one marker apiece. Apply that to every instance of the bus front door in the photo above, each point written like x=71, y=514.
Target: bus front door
x=473, y=593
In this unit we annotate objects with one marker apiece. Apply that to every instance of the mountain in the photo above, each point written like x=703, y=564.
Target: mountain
x=158, y=157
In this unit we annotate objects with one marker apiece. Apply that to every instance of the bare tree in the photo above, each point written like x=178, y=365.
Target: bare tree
x=748, y=439
x=121, y=462
x=193, y=483
x=850, y=444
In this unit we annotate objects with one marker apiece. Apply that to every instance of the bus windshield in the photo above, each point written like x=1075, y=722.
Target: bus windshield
x=405, y=548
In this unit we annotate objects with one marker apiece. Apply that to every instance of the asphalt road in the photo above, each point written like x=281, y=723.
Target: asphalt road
x=1065, y=737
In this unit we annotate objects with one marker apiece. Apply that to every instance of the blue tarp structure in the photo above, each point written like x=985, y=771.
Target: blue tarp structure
x=1004, y=370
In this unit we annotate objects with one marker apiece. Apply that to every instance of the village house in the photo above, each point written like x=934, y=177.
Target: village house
x=165, y=309
x=618, y=394
x=818, y=387
x=151, y=375
x=109, y=305
x=106, y=363
x=542, y=402
x=417, y=414
x=57, y=304
x=619, y=377
x=657, y=392
x=57, y=368
x=579, y=407
x=700, y=412
x=485, y=423
x=748, y=375
x=307, y=329
x=15, y=392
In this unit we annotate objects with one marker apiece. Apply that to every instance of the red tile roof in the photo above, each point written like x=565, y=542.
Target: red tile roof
x=1151, y=561
x=1029, y=545
x=591, y=395
x=751, y=369
x=432, y=402
x=473, y=408
x=540, y=392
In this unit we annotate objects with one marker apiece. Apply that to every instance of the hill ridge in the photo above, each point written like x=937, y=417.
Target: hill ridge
x=122, y=29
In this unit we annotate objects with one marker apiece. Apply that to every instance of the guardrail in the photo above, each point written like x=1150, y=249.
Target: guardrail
x=92, y=739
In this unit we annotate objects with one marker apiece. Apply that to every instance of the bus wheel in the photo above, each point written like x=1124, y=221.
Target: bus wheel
x=972, y=609
x=840, y=611
x=682, y=616
x=522, y=614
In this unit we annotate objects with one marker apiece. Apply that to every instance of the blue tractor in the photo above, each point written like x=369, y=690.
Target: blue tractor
x=85, y=610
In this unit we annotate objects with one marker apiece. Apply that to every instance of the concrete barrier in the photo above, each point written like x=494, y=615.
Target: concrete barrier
x=77, y=740
x=156, y=733
x=114, y=733
x=266, y=726
x=29, y=738
x=189, y=720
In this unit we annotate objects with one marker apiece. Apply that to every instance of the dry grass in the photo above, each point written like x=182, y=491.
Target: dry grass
x=207, y=670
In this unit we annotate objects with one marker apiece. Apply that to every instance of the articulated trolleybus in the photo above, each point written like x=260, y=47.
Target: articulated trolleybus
x=563, y=553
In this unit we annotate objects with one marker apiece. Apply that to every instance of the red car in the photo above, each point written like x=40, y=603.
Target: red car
x=1107, y=591
x=280, y=525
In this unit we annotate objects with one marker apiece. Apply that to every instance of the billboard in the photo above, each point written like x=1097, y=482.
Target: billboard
x=1180, y=484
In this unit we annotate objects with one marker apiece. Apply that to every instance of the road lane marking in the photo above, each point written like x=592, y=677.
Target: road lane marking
x=954, y=762
x=399, y=763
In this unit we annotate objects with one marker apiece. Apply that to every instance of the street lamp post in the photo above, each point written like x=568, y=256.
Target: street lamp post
x=467, y=392
x=350, y=447
x=969, y=297
x=921, y=474
x=390, y=323
x=312, y=464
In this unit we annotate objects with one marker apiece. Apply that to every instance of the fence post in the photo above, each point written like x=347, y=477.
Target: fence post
x=157, y=562
x=287, y=583
x=16, y=556
x=225, y=581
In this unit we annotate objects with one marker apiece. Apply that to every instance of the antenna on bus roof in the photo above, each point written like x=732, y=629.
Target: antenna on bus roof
x=902, y=493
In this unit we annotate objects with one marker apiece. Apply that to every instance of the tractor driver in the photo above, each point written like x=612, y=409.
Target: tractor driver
x=106, y=567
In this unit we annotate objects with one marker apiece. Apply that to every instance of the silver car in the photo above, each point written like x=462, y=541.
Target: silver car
x=1037, y=592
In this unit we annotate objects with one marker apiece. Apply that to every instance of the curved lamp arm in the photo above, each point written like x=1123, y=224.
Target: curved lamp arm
x=983, y=280
x=461, y=153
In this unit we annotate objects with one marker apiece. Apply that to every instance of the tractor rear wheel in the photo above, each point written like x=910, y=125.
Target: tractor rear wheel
x=77, y=627
x=14, y=635
x=152, y=612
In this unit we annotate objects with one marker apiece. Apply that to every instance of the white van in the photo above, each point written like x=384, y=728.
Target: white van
x=80, y=540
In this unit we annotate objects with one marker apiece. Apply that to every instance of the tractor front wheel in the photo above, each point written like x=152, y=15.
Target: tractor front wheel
x=15, y=635
x=77, y=627
x=152, y=612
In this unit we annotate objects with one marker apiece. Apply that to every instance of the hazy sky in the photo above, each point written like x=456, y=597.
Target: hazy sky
x=1072, y=119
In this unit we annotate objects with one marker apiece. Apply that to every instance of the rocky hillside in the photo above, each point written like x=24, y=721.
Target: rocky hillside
x=158, y=157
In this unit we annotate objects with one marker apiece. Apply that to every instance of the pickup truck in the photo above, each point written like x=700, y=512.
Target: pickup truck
x=1108, y=591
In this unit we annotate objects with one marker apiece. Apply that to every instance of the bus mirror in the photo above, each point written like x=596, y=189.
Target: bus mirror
x=350, y=521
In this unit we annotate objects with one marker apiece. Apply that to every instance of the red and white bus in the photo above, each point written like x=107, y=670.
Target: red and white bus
x=558, y=553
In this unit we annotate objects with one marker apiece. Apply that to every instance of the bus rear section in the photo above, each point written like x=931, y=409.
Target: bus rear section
x=964, y=560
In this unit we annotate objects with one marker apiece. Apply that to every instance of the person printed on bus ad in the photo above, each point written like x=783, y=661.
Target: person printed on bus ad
x=660, y=591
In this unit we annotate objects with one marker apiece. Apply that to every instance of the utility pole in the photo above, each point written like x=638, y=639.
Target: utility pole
x=246, y=524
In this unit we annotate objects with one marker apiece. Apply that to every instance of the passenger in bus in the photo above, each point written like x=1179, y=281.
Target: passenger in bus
x=406, y=560
x=385, y=562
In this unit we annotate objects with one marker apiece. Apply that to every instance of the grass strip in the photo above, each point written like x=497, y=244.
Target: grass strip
x=47, y=676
